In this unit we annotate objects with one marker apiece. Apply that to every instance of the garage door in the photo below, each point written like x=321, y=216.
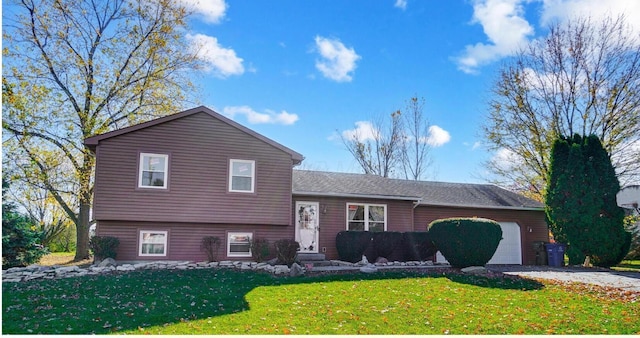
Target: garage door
x=509, y=250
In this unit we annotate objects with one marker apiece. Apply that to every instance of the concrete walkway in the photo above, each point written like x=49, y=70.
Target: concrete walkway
x=618, y=279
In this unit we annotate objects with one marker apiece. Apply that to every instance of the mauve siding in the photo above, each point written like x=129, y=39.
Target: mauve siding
x=534, y=220
x=184, y=238
x=333, y=218
x=199, y=148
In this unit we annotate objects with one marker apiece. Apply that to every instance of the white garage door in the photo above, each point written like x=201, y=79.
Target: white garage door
x=509, y=250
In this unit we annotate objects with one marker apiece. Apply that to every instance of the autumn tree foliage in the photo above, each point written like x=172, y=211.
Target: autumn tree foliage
x=584, y=78
x=581, y=203
x=74, y=69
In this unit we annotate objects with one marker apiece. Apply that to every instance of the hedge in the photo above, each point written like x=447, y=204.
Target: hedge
x=394, y=246
x=466, y=241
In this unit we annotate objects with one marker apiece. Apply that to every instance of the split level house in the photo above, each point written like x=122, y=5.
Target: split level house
x=164, y=185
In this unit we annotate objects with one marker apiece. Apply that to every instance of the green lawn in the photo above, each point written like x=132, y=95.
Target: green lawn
x=213, y=301
x=628, y=266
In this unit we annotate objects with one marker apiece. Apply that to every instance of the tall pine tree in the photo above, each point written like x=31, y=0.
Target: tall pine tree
x=581, y=203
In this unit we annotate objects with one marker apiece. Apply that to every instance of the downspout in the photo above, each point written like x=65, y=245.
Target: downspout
x=416, y=203
x=413, y=213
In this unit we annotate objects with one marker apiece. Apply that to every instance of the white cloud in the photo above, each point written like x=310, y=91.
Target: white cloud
x=221, y=61
x=476, y=145
x=402, y=4
x=437, y=137
x=562, y=10
x=253, y=117
x=363, y=131
x=505, y=158
x=337, y=60
x=212, y=11
x=504, y=24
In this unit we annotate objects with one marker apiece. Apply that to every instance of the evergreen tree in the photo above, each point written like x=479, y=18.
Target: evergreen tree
x=581, y=203
x=21, y=241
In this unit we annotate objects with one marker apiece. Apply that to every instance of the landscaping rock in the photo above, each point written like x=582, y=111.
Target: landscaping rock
x=35, y=272
x=296, y=270
x=475, y=270
x=107, y=262
x=382, y=260
x=125, y=267
x=369, y=268
x=281, y=269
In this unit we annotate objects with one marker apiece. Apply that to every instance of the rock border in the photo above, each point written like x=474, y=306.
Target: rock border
x=36, y=272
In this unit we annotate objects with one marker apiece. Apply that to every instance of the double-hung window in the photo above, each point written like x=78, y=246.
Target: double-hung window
x=153, y=243
x=366, y=217
x=239, y=244
x=154, y=169
x=242, y=176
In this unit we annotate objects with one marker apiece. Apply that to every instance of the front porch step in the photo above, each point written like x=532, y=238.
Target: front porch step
x=311, y=257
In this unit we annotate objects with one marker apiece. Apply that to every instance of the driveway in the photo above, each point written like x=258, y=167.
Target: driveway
x=622, y=280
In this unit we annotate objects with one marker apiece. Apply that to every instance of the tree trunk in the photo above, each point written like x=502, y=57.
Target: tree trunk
x=83, y=220
x=82, y=232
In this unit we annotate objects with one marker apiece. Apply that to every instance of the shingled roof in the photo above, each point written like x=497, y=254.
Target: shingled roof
x=318, y=183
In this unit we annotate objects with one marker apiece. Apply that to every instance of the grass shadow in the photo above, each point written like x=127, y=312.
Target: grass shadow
x=128, y=301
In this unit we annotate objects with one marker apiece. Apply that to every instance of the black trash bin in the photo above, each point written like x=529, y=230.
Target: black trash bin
x=540, y=252
x=555, y=253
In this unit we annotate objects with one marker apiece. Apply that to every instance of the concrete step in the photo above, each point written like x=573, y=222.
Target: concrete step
x=311, y=256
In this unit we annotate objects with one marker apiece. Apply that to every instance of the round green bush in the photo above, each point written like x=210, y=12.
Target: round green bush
x=466, y=241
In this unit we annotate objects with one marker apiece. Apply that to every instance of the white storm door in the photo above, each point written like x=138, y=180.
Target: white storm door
x=307, y=226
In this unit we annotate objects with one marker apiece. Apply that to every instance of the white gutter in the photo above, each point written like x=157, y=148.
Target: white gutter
x=477, y=206
x=417, y=201
x=379, y=197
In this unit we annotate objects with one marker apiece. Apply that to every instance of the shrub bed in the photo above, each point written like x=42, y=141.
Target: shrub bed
x=351, y=245
x=104, y=247
x=466, y=241
x=388, y=244
x=418, y=246
x=286, y=251
x=394, y=246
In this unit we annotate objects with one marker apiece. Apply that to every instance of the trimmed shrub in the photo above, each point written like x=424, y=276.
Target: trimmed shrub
x=388, y=244
x=286, y=251
x=103, y=247
x=210, y=245
x=351, y=245
x=466, y=241
x=418, y=246
x=260, y=249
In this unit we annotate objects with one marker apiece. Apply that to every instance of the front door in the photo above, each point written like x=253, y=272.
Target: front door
x=307, y=226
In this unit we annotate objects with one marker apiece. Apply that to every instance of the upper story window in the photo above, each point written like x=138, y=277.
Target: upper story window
x=154, y=169
x=242, y=176
x=366, y=217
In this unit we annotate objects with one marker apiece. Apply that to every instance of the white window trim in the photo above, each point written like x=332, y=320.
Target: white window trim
x=238, y=254
x=253, y=175
x=166, y=237
x=141, y=169
x=366, y=214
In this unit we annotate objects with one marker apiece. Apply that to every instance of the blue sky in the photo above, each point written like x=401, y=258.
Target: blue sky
x=304, y=72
